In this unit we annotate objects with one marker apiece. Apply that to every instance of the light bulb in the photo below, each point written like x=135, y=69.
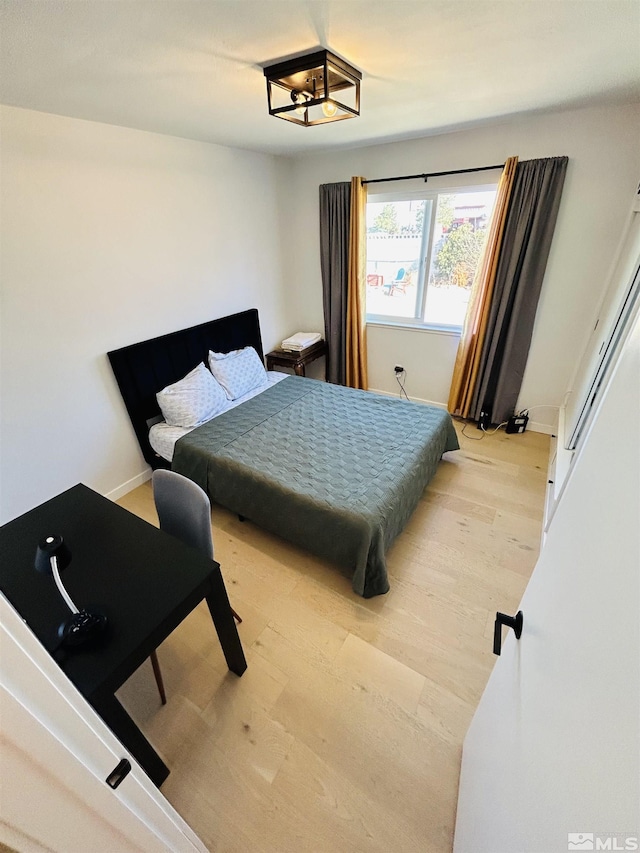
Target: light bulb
x=300, y=98
x=329, y=108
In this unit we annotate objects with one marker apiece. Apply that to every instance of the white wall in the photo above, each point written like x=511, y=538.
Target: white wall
x=604, y=165
x=111, y=236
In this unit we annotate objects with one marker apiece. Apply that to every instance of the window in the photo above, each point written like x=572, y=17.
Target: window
x=422, y=253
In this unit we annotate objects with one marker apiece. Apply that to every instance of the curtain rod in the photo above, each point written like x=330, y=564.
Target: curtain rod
x=428, y=175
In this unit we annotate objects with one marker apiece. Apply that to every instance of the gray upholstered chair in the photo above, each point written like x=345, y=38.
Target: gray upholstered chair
x=184, y=511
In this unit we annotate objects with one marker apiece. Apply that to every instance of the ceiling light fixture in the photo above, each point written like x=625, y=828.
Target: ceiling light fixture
x=313, y=89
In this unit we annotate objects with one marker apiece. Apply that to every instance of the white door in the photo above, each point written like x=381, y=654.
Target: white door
x=618, y=306
x=55, y=756
x=551, y=759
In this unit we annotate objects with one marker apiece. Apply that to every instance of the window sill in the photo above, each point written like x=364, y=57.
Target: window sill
x=454, y=331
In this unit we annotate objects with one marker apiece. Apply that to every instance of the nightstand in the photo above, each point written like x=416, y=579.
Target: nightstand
x=296, y=360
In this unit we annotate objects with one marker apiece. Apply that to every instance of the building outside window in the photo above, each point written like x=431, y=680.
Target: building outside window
x=423, y=250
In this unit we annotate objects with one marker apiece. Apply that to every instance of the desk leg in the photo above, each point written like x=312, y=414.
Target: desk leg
x=131, y=737
x=299, y=369
x=222, y=616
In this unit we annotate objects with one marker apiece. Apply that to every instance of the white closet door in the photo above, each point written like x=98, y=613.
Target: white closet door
x=554, y=746
x=616, y=314
x=56, y=753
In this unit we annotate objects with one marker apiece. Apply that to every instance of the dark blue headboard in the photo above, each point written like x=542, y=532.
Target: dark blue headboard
x=143, y=369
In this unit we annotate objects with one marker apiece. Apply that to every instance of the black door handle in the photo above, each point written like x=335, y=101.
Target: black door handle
x=117, y=775
x=514, y=622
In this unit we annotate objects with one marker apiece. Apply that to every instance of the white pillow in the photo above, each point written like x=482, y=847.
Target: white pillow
x=238, y=372
x=193, y=400
x=220, y=355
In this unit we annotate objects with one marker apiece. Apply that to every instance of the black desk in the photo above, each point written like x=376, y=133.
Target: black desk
x=144, y=580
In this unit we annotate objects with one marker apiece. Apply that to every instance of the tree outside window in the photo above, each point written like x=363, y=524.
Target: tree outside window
x=422, y=255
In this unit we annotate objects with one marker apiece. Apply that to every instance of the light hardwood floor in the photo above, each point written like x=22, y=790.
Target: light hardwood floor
x=345, y=732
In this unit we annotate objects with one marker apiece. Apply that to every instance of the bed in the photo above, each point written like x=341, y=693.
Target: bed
x=333, y=470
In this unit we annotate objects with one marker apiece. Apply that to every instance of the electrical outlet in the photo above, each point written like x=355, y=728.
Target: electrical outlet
x=398, y=368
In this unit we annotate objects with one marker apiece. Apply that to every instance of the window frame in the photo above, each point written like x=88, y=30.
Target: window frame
x=425, y=260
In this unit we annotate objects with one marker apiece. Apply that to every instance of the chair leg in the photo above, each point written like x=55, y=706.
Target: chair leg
x=235, y=616
x=156, y=671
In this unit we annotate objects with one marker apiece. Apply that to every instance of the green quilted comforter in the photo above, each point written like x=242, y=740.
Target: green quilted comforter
x=331, y=469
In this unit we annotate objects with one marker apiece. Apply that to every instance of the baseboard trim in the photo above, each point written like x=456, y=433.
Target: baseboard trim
x=413, y=399
x=130, y=485
x=534, y=426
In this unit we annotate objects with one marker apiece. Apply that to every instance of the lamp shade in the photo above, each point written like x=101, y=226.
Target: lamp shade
x=52, y=546
x=314, y=88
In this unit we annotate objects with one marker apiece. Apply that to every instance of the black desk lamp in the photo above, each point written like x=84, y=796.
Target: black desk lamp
x=82, y=626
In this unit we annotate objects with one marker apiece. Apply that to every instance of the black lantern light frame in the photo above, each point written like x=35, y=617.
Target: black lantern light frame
x=312, y=89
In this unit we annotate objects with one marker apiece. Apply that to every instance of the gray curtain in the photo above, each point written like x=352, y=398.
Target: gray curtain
x=335, y=206
x=531, y=219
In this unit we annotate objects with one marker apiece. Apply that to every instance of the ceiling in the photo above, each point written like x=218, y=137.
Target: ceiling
x=194, y=68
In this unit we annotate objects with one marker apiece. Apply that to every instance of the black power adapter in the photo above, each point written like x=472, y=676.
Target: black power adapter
x=517, y=423
x=484, y=421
